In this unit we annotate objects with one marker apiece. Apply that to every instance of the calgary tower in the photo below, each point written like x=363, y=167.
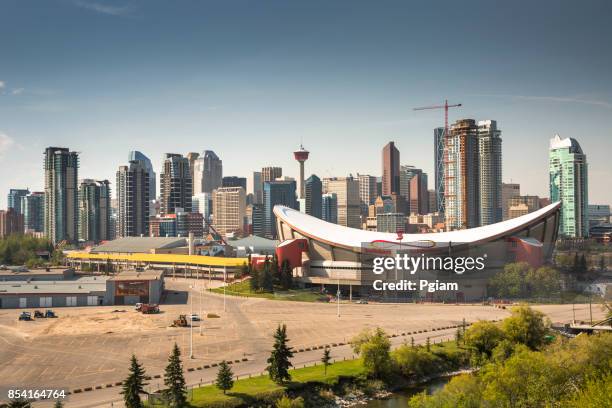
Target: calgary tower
x=301, y=156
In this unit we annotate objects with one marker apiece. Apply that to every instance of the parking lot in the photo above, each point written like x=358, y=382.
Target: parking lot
x=88, y=346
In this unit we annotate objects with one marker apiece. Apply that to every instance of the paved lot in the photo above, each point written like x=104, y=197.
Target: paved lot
x=91, y=346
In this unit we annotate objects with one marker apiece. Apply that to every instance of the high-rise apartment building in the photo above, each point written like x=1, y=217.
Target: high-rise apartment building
x=490, y=172
x=390, y=169
x=133, y=200
x=33, y=209
x=175, y=181
x=11, y=222
x=208, y=173
x=94, y=210
x=461, y=195
x=313, y=196
x=229, y=210
x=347, y=195
x=257, y=220
x=14, y=198
x=329, y=206
x=146, y=163
x=277, y=193
x=367, y=191
x=569, y=184
x=61, y=194
x=509, y=190
x=439, y=147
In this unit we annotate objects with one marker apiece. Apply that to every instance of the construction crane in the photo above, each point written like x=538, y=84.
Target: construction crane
x=441, y=202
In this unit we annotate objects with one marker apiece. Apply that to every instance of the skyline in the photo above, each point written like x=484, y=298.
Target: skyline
x=106, y=77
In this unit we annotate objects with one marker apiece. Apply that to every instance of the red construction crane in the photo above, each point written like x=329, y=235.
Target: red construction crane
x=445, y=107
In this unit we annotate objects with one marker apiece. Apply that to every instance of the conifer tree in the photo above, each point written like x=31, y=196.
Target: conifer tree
x=326, y=358
x=225, y=377
x=278, y=362
x=133, y=385
x=174, y=380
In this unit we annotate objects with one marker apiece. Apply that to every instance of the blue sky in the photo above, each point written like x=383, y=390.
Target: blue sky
x=251, y=79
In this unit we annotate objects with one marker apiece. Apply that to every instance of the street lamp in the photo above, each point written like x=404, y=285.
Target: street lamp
x=191, y=322
x=338, y=297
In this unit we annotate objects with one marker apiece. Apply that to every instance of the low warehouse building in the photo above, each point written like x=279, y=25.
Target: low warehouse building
x=64, y=288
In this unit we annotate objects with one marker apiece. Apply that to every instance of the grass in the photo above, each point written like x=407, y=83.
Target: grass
x=259, y=387
x=243, y=288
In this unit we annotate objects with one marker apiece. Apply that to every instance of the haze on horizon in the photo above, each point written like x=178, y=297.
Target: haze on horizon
x=252, y=80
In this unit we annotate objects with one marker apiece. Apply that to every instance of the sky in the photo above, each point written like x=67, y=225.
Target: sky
x=252, y=80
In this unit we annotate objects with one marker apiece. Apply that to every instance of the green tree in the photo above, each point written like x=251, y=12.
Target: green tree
x=134, y=385
x=525, y=326
x=58, y=404
x=19, y=403
x=225, y=377
x=510, y=283
x=584, y=267
x=279, y=360
x=458, y=335
x=602, y=263
x=483, y=337
x=373, y=347
x=428, y=345
x=286, y=275
x=174, y=380
x=326, y=359
x=254, y=281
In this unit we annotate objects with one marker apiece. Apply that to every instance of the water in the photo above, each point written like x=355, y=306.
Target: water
x=400, y=399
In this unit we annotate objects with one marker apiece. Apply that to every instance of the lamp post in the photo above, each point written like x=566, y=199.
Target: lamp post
x=224, y=284
x=201, y=296
x=338, y=297
x=191, y=322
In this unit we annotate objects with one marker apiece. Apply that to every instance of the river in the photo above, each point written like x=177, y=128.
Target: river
x=400, y=399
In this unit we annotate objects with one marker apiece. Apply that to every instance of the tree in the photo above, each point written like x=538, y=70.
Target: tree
x=278, y=362
x=602, y=263
x=411, y=341
x=286, y=275
x=326, y=358
x=286, y=402
x=225, y=377
x=525, y=326
x=133, y=385
x=584, y=267
x=483, y=337
x=576, y=265
x=174, y=380
x=58, y=404
x=268, y=280
x=458, y=335
x=254, y=281
x=374, y=347
x=19, y=403
x=428, y=345
x=275, y=271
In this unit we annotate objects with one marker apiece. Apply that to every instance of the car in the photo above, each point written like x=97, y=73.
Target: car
x=194, y=317
x=38, y=314
x=138, y=306
x=26, y=316
x=50, y=314
x=362, y=302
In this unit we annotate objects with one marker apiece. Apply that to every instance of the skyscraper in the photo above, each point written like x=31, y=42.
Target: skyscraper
x=390, y=169
x=346, y=190
x=313, y=192
x=14, y=198
x=208, y=173
x=367, y=191
x=439, y=146
x=133, y=200
x=33, y=209
x=419, y=197
x=94, y=210
x=257, y=187
x=461, y=195
x=202, y=203
x=233, y=181
x=490, y=172
x=175, y=180
x=271, y=173
x=229, y=210
x=146, y=163
x=330, y=208
x=277, y=193
x=569, y=184
x=61, y=194
x=192, y=157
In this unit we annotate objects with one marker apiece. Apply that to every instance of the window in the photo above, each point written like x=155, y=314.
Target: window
x=71, y=300
x=46, y=301
x=92, y=300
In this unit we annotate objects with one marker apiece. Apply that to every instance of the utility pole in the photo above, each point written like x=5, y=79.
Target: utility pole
x=338, y=297
x=224, y=284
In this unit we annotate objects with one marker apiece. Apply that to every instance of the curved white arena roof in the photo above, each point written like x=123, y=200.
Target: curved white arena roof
x=351, y=237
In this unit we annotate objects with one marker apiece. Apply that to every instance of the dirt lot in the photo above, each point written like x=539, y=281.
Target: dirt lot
x=92, y=345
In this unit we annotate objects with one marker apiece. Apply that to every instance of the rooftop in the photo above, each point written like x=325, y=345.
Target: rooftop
x=76, y=286
x=148, y=274
x=139, y=244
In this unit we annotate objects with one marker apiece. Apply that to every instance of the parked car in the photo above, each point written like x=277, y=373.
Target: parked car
x=194, y=317
x=362, y=302
x=50, y=314
x=38, y=314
